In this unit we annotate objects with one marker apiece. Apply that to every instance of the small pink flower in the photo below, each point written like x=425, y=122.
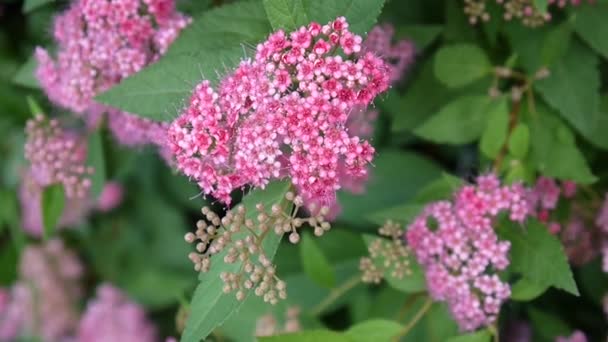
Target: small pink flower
x=110, y=197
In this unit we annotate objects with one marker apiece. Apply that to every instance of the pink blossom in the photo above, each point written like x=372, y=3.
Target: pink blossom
x=100, y=43
x=547, y=191
x=577, y=336
x=111, y=316
x=579, y=241
x=602, y=216
x=110, y=197
x=399, y=56
x=456, y=244
x=282, y=114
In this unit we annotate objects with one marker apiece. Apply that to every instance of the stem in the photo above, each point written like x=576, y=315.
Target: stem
x=423, y=310
x=494, y=331
x=512, y=123
x=335, y=294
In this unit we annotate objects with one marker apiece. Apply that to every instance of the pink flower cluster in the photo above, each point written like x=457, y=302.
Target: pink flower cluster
x=43, y=302
x=57, y=157
x=577, y=336
x=101, y=42
x=544, y=198
x=456, y=244
x=111, y=316
x=602, y=222
x=282, y=114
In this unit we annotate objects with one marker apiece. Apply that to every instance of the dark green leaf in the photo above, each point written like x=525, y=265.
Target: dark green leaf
x=548, y=325
x=309, y=336
x=459, y=65
x=52, y=204
x=525, y=290
x=459, y=122
x=30, y=5
x=556, y=43
x=210, y=307
x=96, y=160
x=519, y=141
x=286, y=14
x=495, y=132
x=315, y=263
x=374, y=330
x=590, y=24
x=479, y=336
x=421, y=35
x=538, y=255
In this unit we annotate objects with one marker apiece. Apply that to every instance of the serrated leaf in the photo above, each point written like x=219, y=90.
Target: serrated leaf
x=374, y=330
x=286, y=14
x=538, y=255
x=315, y=263
x=519, y=141
x=413, y=282
x=572, y=89
x=25, y=75
x=495, y=132
x=459, y=65
x=210, y=307
x=30, y=5
x=309, y=336
x=459, y=122
x=553, y=149
x=525, y=290
x=52, y=204
x=478, y=336
x=96, y=160
x=590, y=24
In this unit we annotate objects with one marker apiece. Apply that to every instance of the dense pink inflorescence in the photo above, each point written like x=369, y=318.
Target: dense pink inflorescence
x=111, y=316
x=456, y=244
x=56, y=156
x=44, y=301
x=282, y=114
x=101, y=42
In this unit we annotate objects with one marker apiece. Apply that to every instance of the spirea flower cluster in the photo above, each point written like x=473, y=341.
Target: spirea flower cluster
x=111, y=316
x=282, y=114
x=386, y=255
x=241, y=237
x=523, y=10
x=56, y=156
x=101, y=42
x=456, y=244
x=545, y=195
x=45, y=299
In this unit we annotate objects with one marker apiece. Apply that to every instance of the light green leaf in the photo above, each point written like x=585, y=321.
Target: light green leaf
x=478, y=336
x=96, y=160
x=538, y=255
x=459, y=122
x=440, y=189
x=315, y=263
x=35, y=108
x=30, y=5
x=52, y=204
x=525, y=290
x=414, y=282
x=495, y=133
x=590, y=24
x=309, y=336
x=519, y=141
x=207, y=49
x=210, y=307
x=459, y=65
x=553, y=149
x=286, y=14
x=374, y=330
x=25, y=75
x=541, y=5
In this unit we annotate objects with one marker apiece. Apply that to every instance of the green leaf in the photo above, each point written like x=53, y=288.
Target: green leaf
x=35, y=108
x=315, y=263
x=53, y=202
x=541, y=5
x=538, y=255
x=30, y=5
x=309, y=336
x=25, y=75
x=495, y=133
x=210, y=307
x=96, y=160
x=519, y=141
x=286, y=14
x=590, y=24
x=548, y=325
x=207, y=49
x=478, y=336
x=421, y=35
x=414, y=282
x=553, y=149
x=390, y=168
x=374, y=330
x=403, y=213
x=526, y=290
x=459, y=122
x=556, y=43
x=440, y=189
x=572, y=89
x=459, y=65
x=361, y=14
